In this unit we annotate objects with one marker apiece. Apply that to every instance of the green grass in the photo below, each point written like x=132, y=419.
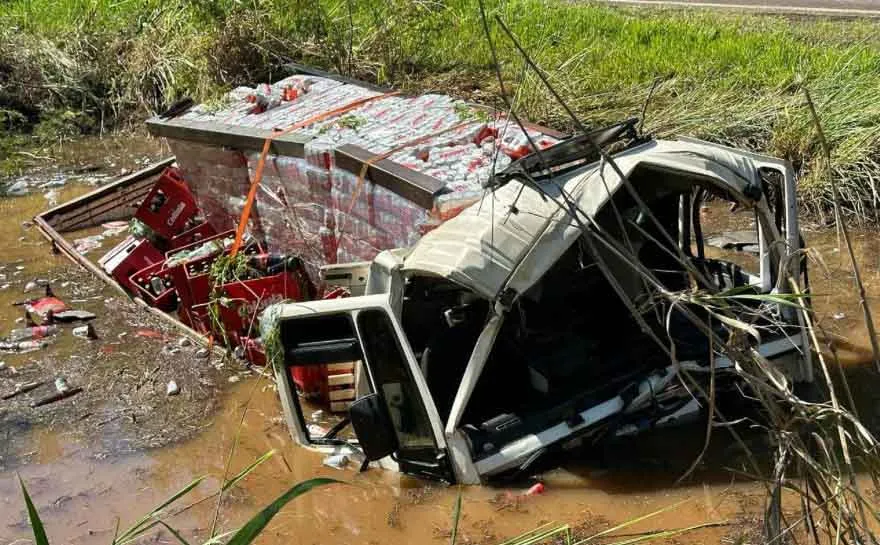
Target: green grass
x=725, y=77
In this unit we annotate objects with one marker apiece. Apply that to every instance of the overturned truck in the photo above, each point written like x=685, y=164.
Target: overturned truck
x=545, y=316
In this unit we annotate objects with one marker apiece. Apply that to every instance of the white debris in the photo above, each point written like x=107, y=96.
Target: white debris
x=19, y=320
x=337, y=461
x=171, y=350
x=172, y=389
x=84, y=331
x=316, y=430
x=838, y=316
x=317, y=414
x=51, y=196
x=61, y=385
x=18, y=188
x=233, y=379
x=203, y=352
x=2, y=365
x=19, y=267
x=36, y=284
x=184, y=342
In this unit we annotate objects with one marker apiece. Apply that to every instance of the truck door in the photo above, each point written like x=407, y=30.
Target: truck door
x=400, y=412
x=394, y=377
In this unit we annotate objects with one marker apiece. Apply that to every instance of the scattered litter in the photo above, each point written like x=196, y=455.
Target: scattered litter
x=23, y=346
x=86, y=332
x=336, y=461
x=62, y=391
x=73, y=316
x=61, y=385
x=31, y=332
x=184, y=342
x=5, y=286
x=22, y=389
x=17, y=189
x=317, y=414
x=203, y=352
x=44, y=307
x=172, y=389
x=171, y=350
x=52, y=197
x=19, y=320
x=114, y=228
x=121, y=335
x=316, y=430
x=149, y=333
x=838, y=316
x=2, y=365
x=35, y=284
x=233, y=379
x=87, y=244
x=535, y=490
x=19, y=267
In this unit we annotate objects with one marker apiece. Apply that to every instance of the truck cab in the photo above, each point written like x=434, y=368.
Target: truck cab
x=554, y=314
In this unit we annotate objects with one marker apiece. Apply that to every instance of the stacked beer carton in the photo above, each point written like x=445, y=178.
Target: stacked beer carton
x=308, y=205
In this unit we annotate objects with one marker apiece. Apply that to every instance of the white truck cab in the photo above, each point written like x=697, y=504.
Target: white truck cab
x=526, y=325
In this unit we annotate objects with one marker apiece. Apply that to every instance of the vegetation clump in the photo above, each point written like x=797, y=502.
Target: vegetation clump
x=724, y=77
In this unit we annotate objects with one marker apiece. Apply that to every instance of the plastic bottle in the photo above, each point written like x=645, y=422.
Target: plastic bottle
x=33, y=332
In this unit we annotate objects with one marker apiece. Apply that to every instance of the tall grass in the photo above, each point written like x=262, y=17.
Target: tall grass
x=727, y=78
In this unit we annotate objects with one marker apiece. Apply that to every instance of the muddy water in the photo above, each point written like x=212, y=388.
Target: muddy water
x=82, y=491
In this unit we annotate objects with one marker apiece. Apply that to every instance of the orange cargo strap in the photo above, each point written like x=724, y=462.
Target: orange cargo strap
x=376, y=158
x=261, y=164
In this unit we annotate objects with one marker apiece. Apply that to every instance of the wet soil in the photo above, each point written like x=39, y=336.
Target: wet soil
x=95, y=460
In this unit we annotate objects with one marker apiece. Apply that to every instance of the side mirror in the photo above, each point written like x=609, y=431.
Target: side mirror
x=373, y=427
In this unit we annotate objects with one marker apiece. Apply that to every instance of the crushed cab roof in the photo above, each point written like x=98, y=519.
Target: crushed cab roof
x=491, y=246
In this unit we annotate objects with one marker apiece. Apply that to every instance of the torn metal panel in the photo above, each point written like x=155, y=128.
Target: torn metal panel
x=513, y=236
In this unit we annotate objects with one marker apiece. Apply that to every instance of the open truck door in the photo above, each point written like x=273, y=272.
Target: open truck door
x=393, y=419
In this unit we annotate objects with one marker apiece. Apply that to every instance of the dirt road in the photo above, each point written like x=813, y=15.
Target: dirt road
x=841, y=8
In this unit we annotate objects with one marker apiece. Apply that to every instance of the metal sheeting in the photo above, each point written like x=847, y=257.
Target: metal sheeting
x=488, y=248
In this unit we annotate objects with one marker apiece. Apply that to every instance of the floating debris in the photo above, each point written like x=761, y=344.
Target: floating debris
x=17, y=189
x=336, y=461
x=86, y=332
x=23, y=346
x=172, y=389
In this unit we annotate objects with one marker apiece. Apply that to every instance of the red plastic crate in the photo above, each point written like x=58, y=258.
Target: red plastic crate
x=178, y=272
x=199, y=233
x=166, y=300
x=254, y=351
x=128, y=257
x=169, y=205
x=332, y=384
x=247, y=298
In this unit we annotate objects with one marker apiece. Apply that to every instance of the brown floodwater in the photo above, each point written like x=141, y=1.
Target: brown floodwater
x=83, y=491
